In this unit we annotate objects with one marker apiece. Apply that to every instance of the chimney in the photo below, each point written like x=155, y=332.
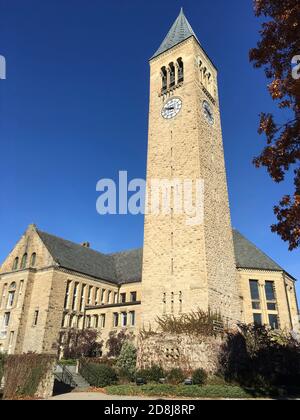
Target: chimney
x=86, y=244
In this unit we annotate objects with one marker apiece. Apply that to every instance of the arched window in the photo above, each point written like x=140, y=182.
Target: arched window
x=172, y=74
x=180, y=70
x=24, y=261
x=33, y=260
x=16, y=264
x=164, y=78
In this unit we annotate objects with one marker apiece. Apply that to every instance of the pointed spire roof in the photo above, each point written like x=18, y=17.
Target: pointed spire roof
x=180, y=31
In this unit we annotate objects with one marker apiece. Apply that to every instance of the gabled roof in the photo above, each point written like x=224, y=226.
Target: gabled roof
x=126, y=267
x=247, y=255
x=180, y=31
x=79, y=258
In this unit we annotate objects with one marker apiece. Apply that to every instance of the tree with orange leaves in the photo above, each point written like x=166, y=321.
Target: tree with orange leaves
x=275, y=52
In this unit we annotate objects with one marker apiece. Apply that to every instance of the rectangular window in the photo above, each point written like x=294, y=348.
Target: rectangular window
x=11, y=338
x=90, y=295
x=272, y=306
x=6, y=319
x=116, y=297
x=102, y=296
x=35, y=318
x=108, y=296
x=66, y=304
x=11, y=298
x=103, y=321
x=124, y=319
x=257, y=318
x=82, y=297
x=88, y=321
x=74, y=302
x=270, y=291
x=133, y=297
x=273, y=321
x=3, y=295
x=123, y=298
x=96, y=321
x=132, y=318
x=115, y=319
x=20, y=292
x=255, y=297
x=97, y=292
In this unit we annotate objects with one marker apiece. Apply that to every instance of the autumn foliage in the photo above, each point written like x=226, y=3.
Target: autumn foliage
x=279, y=44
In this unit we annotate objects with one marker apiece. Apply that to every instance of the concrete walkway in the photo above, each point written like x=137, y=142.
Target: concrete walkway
x=95, y=396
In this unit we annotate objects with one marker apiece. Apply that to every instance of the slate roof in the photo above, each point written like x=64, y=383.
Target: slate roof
x=247, y=255
x=179, y=32
x=126, y=267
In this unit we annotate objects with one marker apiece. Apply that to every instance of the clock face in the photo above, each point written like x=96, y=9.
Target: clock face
x=171, y=108
x=208, y=112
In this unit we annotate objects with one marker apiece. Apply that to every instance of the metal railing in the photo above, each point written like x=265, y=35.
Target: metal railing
x=65, y=376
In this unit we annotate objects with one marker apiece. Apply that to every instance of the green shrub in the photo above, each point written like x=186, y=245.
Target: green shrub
x=153, y=374
x=176, y=376
x=199, y=377
x=98, y=375
x=68, y=362
x=126, y=362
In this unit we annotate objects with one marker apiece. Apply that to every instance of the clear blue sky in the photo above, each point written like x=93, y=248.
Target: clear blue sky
x=74, y=109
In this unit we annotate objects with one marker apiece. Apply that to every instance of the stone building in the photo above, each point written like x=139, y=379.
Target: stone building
x=48, y=284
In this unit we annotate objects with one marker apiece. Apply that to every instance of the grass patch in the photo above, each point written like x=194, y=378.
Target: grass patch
x=194, y=391
x=206, y=391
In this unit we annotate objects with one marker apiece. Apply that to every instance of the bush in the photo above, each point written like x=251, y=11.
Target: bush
x=2, y=361
x=153, y=374
x=257, y=356
x=115, y=342
x=98, y=375
x=126, y=362
x=176, y=376
x=199, y=377
x=82, y=343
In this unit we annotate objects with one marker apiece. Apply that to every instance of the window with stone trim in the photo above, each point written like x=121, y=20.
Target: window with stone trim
x=16, y=264
x=24, y=261
x=180, y=67
x=270, y=296
x=6, y=319
x=82, y=297
x=133, y=297
x=67, y=295
x=172, y=73
x=132, y=318
x=4, y=289
x=255, y=295
x=122, y=297
x=102, y=320
x=90, y=295
x=124, y=319
x=164, y=79
x=115, y=319
x=33, y=260
x=75, y=296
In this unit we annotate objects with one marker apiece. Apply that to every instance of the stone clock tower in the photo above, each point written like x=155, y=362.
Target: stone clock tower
x=186, y=267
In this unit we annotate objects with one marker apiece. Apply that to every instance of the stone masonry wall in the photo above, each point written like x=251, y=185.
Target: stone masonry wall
x=180, y=351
